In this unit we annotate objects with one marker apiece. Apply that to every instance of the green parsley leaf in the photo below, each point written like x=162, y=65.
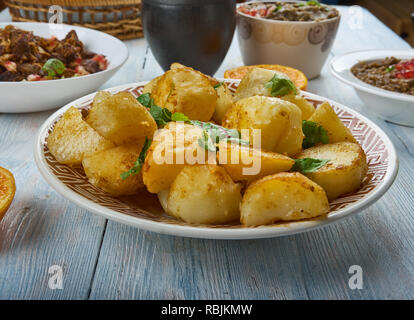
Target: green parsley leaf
x=206, y=143
x=314, y=134
x=307, y=165
x=313, y=3
x=161, y=115
x=280, y=86
x=54, y=67
x=136, y=168
x=218, y=85
x=146, y=100
x=390, y=68
x=178, y=116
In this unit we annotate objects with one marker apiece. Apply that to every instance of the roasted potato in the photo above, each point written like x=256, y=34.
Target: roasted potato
x=345, y=171
x=150, y=85
x=173, y=147
x=244, y=163
x=175, y=65
x=253, y=83
x=204, y=194
x=325, y=116
x=186, y=91
x=121, y=119
x=284, y=196
x=304, y=105
x=72, y=139
x=279, y=122
x=104, y=169
x=224, y=103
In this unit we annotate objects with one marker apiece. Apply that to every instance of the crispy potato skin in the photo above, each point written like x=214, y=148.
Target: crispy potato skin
x=282, y=197
x=104, y=170
x=150, y=85
x=325, y=116
x=344, y=172
x=186, y=91
x=72, y=139
x=121, y=118
x=158, y=174
x=205, y=195
x=224, y=103
x=279, y=122
x=304, y=105
x=253, y=83
x=240, y=162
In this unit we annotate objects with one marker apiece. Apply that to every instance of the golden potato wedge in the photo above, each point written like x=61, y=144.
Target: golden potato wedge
x=325, y=116
x=284, y=196
x=204, y=194
x=186, y=91
x=345, y=171
x=175, y=65
x=104, y=169
x=121, y=119
x=244, y=163
x=304, y=105
x=224, y=103
x=253, y=83
x=173, y=147
x=279, y=122
x=150, y=85
x=72, y=139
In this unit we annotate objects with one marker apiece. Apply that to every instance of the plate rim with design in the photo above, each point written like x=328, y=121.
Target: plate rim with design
x=178, y=228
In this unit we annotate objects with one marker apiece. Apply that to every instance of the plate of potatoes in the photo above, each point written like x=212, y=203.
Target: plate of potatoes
x=190, y=155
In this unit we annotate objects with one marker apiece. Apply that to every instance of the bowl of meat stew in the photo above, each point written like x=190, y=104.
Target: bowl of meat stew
x=383, y=79
x=43, y=66
x=299, y=34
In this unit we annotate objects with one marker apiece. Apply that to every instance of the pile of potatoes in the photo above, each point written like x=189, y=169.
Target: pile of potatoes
x=108, y=138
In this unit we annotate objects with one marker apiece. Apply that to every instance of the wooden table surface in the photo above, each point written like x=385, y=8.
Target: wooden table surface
x=102, y=259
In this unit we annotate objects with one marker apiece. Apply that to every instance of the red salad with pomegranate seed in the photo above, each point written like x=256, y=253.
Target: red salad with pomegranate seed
x=290, y=11
x=390, y=74
x=26, y=57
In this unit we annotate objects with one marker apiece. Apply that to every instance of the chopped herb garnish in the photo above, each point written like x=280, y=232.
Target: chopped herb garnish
x=136, y=168
x=280, y=86
x=390, y=68
x=313, y=3
x=308, y=165
x=218, y=133
x=146, y=100
x=314, y=134
x=218, y=85
x=206, y=143
x=54, y=67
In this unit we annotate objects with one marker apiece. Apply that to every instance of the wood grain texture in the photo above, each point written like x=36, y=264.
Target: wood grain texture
x=107, y=260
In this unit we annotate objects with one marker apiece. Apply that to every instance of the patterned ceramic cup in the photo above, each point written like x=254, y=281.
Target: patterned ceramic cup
x=299, y=44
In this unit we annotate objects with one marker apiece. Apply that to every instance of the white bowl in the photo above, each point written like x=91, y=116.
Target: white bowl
x=72, y=183
x=26, y=96
x=304, y=45
x=391, y=106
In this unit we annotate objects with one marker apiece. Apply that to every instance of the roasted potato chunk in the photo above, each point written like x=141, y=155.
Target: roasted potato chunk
x=186, y=91
x=173, y=147
x=345, y=171
x=304, y=105
x=72, y=139
x=104, y=169
x=204, y=194
x=224, y=103
x=150, y=85
x=121, y=119
x=253, y=83
x=175, y=65
x=244, y=163
x=282, y=197
x=279, y=122
x=325, y=116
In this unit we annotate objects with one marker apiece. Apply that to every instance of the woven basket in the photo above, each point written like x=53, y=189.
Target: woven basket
x=120, y=18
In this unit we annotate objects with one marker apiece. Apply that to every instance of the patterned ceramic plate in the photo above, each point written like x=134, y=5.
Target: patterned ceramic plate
x=143, y=210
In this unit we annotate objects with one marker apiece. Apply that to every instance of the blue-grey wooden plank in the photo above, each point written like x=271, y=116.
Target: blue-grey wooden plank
x=136, y=264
